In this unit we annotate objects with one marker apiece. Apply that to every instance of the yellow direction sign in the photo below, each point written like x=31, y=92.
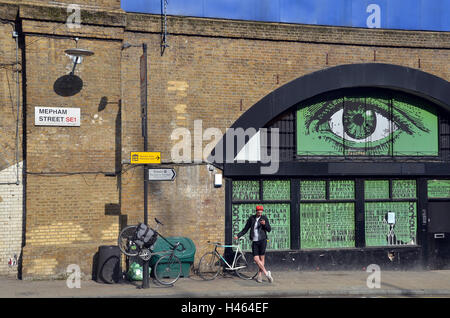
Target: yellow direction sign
x=145, y=157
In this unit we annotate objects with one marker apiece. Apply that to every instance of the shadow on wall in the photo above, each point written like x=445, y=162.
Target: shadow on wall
x=68, y=85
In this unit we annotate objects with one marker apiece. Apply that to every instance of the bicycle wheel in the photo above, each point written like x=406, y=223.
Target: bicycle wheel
x=246, y=269
x=126, y=241
x=167, y=269
x=209, y=266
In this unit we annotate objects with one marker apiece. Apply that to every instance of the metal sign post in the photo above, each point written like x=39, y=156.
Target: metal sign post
x=143, y=82
x=147, y=157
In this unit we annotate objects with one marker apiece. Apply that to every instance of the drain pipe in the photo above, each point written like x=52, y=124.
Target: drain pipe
x=16, y=36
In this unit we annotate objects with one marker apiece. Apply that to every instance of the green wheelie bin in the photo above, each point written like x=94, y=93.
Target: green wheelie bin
x=185, y=255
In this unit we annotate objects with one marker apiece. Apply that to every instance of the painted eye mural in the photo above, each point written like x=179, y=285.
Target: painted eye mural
x=370, y=125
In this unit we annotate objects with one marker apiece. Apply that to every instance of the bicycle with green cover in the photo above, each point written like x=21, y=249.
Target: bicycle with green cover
x=212, y=262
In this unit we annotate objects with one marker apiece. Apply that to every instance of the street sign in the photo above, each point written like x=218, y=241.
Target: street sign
x=145, y=157
x=161, y=174
x=56, y=116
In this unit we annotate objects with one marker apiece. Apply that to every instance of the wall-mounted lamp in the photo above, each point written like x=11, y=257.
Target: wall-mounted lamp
x=70, y=84
x=78, y=53
x=126, y=45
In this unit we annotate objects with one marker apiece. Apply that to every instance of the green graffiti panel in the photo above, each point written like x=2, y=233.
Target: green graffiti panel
x=376, y=189
x=313, y=134
x=276, y=190
x=377, y=230
x=313, y=190
x=245, y=190
x=416, y=131
x=439, y=189
x=279, y=218
x=342, y=190
x=404, y=189
x=372, y=125
x=327, y=225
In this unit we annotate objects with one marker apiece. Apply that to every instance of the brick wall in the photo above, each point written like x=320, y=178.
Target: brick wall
x=212, y=71
x=71, y=202
x=11, y=218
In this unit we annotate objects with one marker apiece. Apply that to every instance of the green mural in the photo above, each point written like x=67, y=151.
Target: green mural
x=367, y=126
x=342, y=190
x=279, y=218
x=404, y=189
x=277, y=213
x=327, y=225
x=327, y=211
x=438, y=189
x=376, y=189
x=402, y=230
x=276, y=190
x=313, y=190
x=245, y=190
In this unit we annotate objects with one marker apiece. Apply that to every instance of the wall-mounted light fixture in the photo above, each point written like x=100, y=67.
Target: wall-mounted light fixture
x=78, y=53
x=70, y=84
x=217, y=180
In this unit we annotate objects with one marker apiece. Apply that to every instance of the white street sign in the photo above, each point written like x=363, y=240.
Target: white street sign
x=161, y=174
x=56, y=116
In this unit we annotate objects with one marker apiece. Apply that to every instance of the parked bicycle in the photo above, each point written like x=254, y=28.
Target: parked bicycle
x=139, y=240
x=212, y=262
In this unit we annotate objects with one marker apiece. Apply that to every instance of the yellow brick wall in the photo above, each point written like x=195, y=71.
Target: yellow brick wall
x=70, y=202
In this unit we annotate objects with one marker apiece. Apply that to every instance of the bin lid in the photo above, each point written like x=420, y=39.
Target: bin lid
x=162, y=245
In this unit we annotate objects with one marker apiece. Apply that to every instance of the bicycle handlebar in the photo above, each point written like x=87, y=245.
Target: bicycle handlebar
x=175, y=247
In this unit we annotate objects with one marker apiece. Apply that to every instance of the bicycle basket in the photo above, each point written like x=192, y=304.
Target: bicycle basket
x=145, y=236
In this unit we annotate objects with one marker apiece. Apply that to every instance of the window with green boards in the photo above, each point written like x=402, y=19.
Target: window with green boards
x=275, y=196
x=438, y=189
x=327, y=224
x=326, y=215
x=390, y=219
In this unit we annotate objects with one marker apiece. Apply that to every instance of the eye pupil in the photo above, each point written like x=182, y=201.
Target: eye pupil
x=359, y=123
x=358, y=119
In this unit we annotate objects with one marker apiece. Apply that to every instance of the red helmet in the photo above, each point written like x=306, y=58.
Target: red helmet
x=259, y=208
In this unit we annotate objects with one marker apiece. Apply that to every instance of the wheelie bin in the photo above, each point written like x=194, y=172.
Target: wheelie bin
x=185, y=255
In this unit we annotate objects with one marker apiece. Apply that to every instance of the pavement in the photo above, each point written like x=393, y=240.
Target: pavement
x=287, y=284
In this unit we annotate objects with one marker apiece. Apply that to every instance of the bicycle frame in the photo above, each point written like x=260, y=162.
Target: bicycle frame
x=172, y=248
x=238, y=251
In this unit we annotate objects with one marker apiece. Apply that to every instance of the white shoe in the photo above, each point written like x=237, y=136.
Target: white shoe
x=269, y=276
x=259, y=279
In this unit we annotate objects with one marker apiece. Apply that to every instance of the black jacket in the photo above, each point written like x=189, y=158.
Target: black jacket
x=262, y=229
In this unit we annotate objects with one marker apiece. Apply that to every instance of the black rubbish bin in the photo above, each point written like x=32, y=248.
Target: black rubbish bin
x=108, y=266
